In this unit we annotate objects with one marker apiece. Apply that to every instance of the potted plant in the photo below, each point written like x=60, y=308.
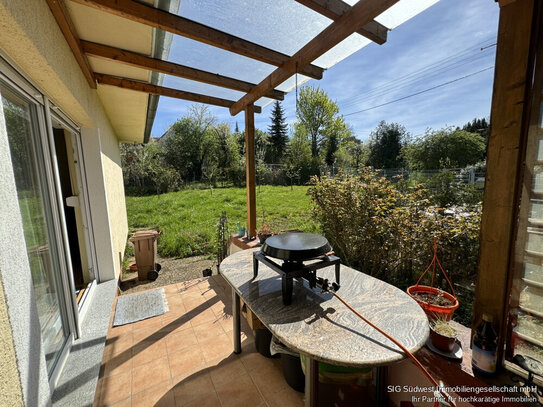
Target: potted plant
x=442, y=335
x=438, y=304
x=264, y=232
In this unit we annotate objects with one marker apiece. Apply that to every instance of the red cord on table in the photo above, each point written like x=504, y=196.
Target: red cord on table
x=403, y=348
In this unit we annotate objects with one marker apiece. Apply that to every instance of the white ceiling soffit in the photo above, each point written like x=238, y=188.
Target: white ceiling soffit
x=126, y=109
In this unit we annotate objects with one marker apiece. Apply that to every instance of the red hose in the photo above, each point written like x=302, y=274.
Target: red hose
x=403, y=348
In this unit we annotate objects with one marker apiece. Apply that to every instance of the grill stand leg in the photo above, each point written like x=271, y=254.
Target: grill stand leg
x=311, y=382
x=337, y=274
x=236, y=311
x=255, y=265
x=287, y=289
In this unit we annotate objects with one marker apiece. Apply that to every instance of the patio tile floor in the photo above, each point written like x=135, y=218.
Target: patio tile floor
x=185, y=357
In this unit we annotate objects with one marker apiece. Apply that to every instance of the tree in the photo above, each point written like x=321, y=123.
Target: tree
x=386, y=145
x=298, y=159
x=331, y=148
x=191, y=144
x=278, y=131
x=317, y=119
x=479, y=126
x=445, y=148
x=145, y=169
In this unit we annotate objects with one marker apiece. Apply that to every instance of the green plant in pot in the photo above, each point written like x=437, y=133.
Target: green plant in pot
x=442, y=335
x=264, y=232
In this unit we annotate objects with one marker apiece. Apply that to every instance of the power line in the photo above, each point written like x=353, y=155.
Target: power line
x=445, y=64
x=420, y=92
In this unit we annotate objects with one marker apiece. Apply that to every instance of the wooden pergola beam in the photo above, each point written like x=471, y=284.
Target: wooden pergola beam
x=124, y=83
x=513, y=77
x=250, y=170
x=175, y=24
x=61, y=14
x=158, y=65
x=333, y=9
x=360, y=14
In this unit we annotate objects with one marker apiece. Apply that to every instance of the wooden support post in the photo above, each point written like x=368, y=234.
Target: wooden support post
x=250, y=169
x=504, y=158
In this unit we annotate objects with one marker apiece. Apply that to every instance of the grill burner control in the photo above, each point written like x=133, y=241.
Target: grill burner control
x=293, y=249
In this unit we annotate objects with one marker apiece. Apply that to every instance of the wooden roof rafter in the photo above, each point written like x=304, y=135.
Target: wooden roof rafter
x=145, y=87
x=156, y=18
x=61, y=14
x=356, y=17
x=157, y=65
x=333, y=9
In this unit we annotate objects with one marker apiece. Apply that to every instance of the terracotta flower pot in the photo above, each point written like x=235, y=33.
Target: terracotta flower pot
x=434, y=311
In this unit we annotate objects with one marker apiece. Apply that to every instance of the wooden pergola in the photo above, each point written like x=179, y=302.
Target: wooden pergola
x=346, y=21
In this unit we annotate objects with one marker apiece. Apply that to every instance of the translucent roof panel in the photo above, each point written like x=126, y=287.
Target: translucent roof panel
x=198, y=55
x=402, y=11
x=201, y=88
x=281, y=25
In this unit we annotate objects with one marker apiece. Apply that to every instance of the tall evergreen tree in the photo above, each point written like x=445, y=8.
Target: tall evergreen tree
x=386, y=144
x=278, y=135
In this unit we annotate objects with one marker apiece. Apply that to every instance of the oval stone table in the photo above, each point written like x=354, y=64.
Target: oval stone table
x=319, y=326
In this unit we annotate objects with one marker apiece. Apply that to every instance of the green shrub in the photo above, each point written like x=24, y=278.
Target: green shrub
x=388, y=232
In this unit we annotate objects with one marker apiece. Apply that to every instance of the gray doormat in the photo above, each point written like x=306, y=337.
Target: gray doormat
x=135, y=307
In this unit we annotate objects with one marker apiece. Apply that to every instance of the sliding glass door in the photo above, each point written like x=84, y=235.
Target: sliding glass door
x=22, y=120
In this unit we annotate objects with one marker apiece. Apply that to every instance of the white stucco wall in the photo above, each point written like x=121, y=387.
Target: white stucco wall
x=33, y=42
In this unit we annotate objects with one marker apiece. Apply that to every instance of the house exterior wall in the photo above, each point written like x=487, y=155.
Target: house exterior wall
x=33, y=42
x=11, y=392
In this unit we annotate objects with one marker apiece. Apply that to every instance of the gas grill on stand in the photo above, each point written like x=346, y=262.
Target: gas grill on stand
x=294, y=249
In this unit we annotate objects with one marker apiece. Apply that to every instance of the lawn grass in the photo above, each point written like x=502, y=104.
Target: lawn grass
x=188, y=218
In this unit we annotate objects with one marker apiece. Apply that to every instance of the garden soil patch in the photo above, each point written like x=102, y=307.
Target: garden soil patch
x=173, y=271
x=434, y=299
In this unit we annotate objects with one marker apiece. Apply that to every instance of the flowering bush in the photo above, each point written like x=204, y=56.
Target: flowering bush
x=388, y=233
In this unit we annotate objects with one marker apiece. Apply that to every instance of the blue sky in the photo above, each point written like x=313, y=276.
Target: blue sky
x=440, y=48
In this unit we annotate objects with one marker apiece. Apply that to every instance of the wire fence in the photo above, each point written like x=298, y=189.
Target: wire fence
x=468, y=175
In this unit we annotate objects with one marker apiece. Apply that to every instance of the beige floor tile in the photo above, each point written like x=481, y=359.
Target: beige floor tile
x=152, y=334
x=287, y=397
x=192, y=387
x=116, y=345
x=254, y=360
x=176, y=341
x=146, y=351
x=176, y=323
x=226, y=322
x=218, y=346
x=187, y=359
x=120, y=363
x=194, y=302
x=175, y=301
x=120, y=331
x=115, y=388
x=206, y=315
x=208, y=330
x=223, y=371
x=209, y=400
x=160, y=395
x=171, y=289
x=150, y=374
x=149, y=323
x=269, y=381
x=175, y=309
x=239, y=392
x=123, y=403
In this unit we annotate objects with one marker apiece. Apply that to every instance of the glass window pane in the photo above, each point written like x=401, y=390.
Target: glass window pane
x=28, y=166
